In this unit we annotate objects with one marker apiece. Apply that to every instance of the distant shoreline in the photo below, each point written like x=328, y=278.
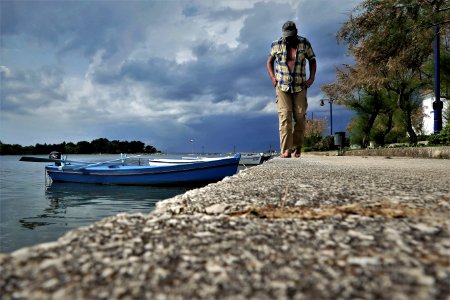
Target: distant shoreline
x=101, y=145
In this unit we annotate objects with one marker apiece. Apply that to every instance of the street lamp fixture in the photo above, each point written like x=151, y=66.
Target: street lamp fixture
x=322, y=103
x=191, y=141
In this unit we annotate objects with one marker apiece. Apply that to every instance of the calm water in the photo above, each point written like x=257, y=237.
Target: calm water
x=34, y=211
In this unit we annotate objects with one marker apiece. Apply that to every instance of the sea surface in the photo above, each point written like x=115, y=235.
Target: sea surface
x=34, y=210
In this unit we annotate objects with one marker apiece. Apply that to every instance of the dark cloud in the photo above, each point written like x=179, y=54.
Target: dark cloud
x=24, y=92
x=71, y=26
x=320, y=22
x=219, y=71
x=235, y=72
x=133, y=50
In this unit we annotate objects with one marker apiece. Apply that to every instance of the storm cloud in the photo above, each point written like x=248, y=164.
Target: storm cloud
x=162, y=72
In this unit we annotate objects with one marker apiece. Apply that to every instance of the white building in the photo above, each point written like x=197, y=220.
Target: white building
x=428, y=119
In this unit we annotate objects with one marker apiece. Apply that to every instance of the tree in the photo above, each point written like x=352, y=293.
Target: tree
x=70, y=148
x=313, y=132
x=368, y=108
x=100, y=145
x=390, y=41
x=150, y=149
x=392, y=33
x=84, y=147
x=353, y=88
x=136, y=147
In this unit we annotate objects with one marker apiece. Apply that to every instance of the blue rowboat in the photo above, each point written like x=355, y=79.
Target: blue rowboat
x=194, y=172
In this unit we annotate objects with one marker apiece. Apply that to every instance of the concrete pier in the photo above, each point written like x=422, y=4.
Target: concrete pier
x=311, y=228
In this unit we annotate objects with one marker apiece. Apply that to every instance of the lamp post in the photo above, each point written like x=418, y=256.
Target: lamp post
x=322, y=103
x=192, y=144
x=437, y=104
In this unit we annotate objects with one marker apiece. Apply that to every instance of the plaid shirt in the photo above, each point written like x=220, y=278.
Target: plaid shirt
x=287, y=81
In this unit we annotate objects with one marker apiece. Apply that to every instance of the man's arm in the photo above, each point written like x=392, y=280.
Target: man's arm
x=312, y=72
x=269, y=66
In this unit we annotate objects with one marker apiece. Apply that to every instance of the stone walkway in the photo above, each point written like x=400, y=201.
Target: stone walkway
x=309, y=228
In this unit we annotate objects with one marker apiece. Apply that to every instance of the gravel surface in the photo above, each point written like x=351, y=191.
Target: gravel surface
x=309, y=228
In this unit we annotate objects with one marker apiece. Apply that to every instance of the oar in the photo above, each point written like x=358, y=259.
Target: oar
x=41, y=159
x=105, y=162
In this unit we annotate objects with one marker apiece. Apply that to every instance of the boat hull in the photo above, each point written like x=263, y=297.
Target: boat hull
x=175, y=174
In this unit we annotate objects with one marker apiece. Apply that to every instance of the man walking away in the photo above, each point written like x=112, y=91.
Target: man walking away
x=290, y=54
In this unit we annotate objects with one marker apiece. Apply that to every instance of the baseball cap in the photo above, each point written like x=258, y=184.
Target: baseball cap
x=289, y=29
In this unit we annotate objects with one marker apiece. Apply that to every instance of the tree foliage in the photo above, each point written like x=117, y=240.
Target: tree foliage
x=392, y=34
x=313, y=137
x=100, y=145
x=442, y=138
x=314, y=129
x=391, y=42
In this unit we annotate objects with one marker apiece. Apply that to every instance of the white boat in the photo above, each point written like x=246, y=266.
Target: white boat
x=247, y=159
x=251, y=159
x=183, y=160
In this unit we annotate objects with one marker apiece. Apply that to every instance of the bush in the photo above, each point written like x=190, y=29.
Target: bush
x=322, y=144
x=442, y=138
x=307, y=149
x=310, y=141
x=326, y=144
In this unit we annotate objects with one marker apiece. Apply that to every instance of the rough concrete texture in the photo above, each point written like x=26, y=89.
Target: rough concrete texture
x=309, y=228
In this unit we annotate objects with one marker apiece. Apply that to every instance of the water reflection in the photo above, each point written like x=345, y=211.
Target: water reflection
x=33, y=212
x=77, y=204
x=59, y=191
